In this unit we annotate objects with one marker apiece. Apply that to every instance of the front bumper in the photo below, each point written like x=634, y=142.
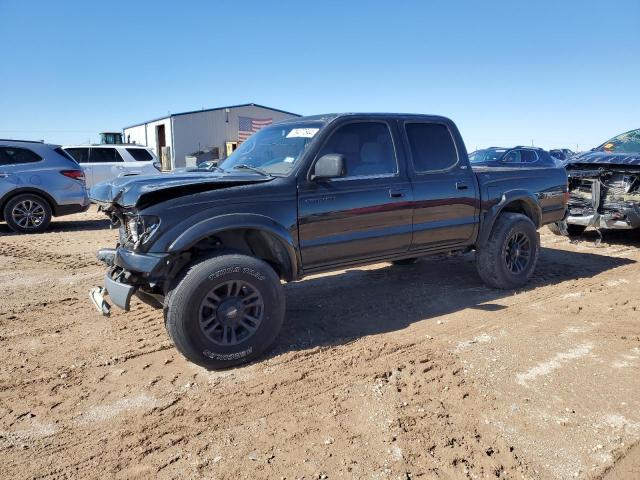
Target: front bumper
x=624, y=219
x=128, y=270
x=119, y=293
x=144, y=264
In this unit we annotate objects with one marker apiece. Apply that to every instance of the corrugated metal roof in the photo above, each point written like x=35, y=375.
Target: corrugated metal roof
x=211, y=110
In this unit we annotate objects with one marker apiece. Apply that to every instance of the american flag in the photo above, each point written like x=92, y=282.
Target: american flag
x=248, y=126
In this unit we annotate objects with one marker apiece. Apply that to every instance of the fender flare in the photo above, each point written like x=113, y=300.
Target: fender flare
x=491, y=215
x=211, y=226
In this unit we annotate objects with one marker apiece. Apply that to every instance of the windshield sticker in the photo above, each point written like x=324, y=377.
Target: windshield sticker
x=302, y=132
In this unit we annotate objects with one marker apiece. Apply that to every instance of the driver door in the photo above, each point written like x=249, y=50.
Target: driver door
x=366, y=213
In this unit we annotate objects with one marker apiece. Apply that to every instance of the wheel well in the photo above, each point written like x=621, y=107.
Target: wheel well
x=250, y=241
x=520, y=206
x=6, y=199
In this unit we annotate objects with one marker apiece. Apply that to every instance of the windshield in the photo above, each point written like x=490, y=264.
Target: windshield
x=273, y=150
x=626, y=143
x=487, y=155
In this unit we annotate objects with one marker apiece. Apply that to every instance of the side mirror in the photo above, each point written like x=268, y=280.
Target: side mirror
x=329, y=166
x=158, y=166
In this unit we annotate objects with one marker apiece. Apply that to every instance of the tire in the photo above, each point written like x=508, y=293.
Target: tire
x=204, y=318
x=406, y=261
x=565, y=229
x=27, y=213
x=502, y=262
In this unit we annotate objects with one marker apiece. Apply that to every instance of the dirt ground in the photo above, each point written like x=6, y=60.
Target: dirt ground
x=380, y=372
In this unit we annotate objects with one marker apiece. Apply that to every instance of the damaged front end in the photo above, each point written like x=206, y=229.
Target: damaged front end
x=604, y=196
x=131, y=203
x=131, y=273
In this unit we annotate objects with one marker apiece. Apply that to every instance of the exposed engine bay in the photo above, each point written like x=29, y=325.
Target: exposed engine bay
x=604, y=196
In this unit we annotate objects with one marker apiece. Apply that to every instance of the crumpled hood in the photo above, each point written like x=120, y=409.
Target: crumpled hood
x=604, y=158
x=131, y=191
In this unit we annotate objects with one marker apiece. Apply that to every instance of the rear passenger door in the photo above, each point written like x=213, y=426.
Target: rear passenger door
x=446, y=200
x=139, y=161
x=106, y=164
x=366, y=213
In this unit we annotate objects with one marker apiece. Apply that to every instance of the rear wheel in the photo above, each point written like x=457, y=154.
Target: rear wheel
x=225, y=310
x=27, y=213
x=566, y=230
x=510, y=256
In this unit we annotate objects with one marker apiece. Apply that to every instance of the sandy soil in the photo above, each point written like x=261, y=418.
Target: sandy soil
x=380, y=372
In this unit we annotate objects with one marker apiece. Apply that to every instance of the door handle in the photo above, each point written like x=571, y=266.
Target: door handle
x=461, y=186
x=396, y=193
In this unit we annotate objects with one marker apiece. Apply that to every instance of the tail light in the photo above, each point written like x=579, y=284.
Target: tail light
x=75, y=174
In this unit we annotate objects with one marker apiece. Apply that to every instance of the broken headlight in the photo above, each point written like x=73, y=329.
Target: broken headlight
x=141, y=228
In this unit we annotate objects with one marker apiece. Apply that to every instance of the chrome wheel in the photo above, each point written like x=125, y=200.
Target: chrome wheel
x=517, y=253
x=231, y=312
x=28, y=214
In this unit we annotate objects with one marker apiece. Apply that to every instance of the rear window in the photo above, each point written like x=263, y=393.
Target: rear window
x=104, y=155
x=16, y=155
x=61, y=151
x=432, y=146
x=529, y=156
x=140, y=154
x=80, y=155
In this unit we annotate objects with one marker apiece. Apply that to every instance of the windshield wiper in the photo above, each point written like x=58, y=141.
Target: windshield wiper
x=244, y=166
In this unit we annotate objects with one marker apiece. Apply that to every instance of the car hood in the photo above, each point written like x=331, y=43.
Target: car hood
x=604, y=158
x=141, y=190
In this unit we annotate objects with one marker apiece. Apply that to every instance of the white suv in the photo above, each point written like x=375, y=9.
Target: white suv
x=106, y=162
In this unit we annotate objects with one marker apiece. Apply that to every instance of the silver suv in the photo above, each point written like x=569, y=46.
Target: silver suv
x=38, y=181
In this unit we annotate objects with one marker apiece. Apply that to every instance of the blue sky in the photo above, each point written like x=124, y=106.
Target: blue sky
x=559, y=73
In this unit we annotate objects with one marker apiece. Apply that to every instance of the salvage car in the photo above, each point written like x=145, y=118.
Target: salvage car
x=604, y=186
x=512, y=157
x=38, y=181
x=309, y=195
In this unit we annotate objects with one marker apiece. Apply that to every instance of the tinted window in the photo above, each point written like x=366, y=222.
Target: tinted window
x=12, y=155
x=432, y=146
x=367, y=149
x=140, y=154
x=528, y=156
x=81, y=155
x=104, y=155
x=513, y=157
x=61, y=151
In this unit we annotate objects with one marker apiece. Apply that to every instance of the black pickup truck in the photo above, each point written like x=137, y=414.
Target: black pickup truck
x=212, y=247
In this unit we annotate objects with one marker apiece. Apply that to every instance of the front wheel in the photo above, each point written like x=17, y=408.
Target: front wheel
x=225, y=310
x=510, y=256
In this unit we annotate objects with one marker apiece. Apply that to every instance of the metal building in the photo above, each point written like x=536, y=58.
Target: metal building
x=182, y=139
